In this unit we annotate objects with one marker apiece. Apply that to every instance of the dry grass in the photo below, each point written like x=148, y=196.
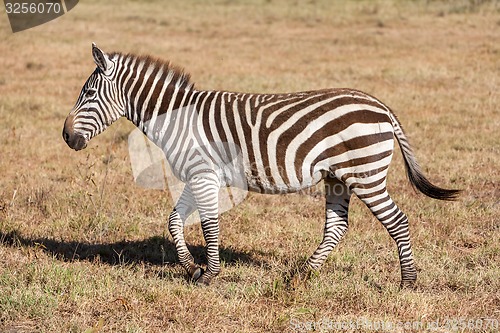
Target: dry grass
x=83, y=249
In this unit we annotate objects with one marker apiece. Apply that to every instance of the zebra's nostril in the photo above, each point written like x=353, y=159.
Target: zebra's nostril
x=66, y=136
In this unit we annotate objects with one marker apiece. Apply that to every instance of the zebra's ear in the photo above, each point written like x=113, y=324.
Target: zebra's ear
x=101, y=59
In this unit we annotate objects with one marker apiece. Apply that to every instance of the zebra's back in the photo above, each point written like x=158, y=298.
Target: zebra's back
x=289, y=142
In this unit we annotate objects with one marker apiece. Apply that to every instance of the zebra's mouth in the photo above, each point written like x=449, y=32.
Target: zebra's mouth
x=80, y=147
x=75, y=141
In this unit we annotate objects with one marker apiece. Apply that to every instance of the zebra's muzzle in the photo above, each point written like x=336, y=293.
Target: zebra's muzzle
x=74, y=140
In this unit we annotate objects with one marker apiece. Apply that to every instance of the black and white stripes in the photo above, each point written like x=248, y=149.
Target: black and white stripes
x=269, y=143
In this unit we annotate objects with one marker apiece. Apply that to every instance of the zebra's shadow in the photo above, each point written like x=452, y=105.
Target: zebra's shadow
x=154, y=251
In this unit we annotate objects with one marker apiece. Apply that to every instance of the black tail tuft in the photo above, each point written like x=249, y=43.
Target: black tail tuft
x=421, y=183
x=415, y=174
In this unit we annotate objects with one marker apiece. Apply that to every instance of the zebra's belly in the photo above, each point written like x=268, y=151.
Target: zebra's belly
x=258, y=184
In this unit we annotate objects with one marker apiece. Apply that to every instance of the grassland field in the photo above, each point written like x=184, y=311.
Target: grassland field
x=84, y=249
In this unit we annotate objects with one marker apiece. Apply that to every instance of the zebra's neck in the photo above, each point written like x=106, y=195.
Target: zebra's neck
x=155, y=104
x=150, y=88
x=157, y=107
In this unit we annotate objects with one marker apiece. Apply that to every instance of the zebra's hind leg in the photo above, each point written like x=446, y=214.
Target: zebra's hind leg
x=184, y=207
x=395, y=221
x=337, y=196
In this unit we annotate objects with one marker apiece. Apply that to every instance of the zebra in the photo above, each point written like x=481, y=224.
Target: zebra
x=288, y=142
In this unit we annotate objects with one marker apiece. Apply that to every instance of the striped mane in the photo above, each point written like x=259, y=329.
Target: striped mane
x=181, y=79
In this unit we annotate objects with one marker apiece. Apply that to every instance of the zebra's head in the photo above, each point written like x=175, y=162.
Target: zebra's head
x=99, y=103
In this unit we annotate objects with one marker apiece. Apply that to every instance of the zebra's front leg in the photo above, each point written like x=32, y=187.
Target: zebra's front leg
x=205, y=191
x=336, y=223
x=184, y=207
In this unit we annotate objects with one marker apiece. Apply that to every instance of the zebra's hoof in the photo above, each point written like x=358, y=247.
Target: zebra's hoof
x=198, y=271
x=408, y=285
x=296, y=281
x=298, y=278
x=203, y=280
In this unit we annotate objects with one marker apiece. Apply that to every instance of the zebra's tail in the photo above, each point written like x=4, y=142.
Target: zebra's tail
x=415, y=174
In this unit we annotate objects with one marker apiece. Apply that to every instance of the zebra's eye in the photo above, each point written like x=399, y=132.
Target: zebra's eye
x=90, y=93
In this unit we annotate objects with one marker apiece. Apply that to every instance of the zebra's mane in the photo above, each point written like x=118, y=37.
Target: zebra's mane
x=179, y=77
